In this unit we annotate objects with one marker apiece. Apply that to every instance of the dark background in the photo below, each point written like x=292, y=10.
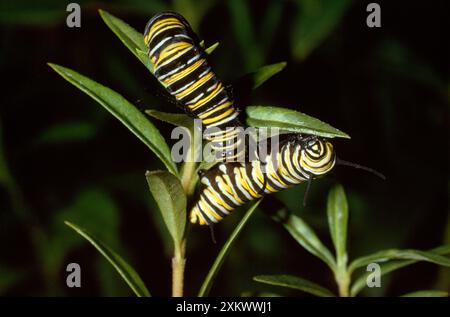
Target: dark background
x=62, y=156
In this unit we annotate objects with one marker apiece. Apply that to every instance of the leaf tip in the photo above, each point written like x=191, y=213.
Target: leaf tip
x=52, y=65
x=102, y=13
x=69, y=224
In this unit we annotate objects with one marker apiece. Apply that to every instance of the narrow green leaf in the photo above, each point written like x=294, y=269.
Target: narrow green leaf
x=427, y=293
x=385, y=268
x=143, y=57
x=212, y=48
x=290, y=121
x=262, y=74
x=123, y=110
x=132, y=39
x=306, y=237
x=252, y=80
x=177, y=119
x=388, y=267
x=395, y=254
x=294, y=282
x=169, y=195
x=207, y=283
x=337, y=211
x=124, y=269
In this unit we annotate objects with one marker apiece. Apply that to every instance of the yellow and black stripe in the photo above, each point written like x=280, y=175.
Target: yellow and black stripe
x=229, y=185
x=180, y=66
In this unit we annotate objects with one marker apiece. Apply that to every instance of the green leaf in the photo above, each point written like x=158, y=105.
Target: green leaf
x=177, y=119
x=143, y=57
x=337, y=211
x=290, y=121
x=264, y=73
x=389, y=267
x=294, y=282
x=123, y=110
x=132, y=39
x=395, y=254
x=316, y=20
x=385, y=268
x=427, y=293
x=305, y=236
x=207, y=283
x=124, y=269
x=212, y=48
x=169, y=195
x=109, y=284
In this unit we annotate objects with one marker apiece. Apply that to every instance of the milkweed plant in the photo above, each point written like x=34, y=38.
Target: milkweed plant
x=173, y=189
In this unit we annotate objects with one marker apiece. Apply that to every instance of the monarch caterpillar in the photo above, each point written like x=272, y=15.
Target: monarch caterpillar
x=300, y=158
x=180, y=66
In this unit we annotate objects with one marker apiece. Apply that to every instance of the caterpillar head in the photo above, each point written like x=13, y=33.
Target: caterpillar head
x=164, y=19
x=317, y=155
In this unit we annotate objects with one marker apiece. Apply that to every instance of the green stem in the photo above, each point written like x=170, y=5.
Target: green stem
x=178, y=265
x=344, y=285
x=188, y=181
x=342, y=276
x=188, y=178
x=188, y=175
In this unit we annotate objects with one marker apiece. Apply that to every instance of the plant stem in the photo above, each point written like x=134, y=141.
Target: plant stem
x=178, y=265
x=188, y=177
x=188, y=181
x=342, y=276
x=344, y=284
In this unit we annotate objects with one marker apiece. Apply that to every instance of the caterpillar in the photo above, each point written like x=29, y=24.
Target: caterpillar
x=300, y=158
x=180, y=66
